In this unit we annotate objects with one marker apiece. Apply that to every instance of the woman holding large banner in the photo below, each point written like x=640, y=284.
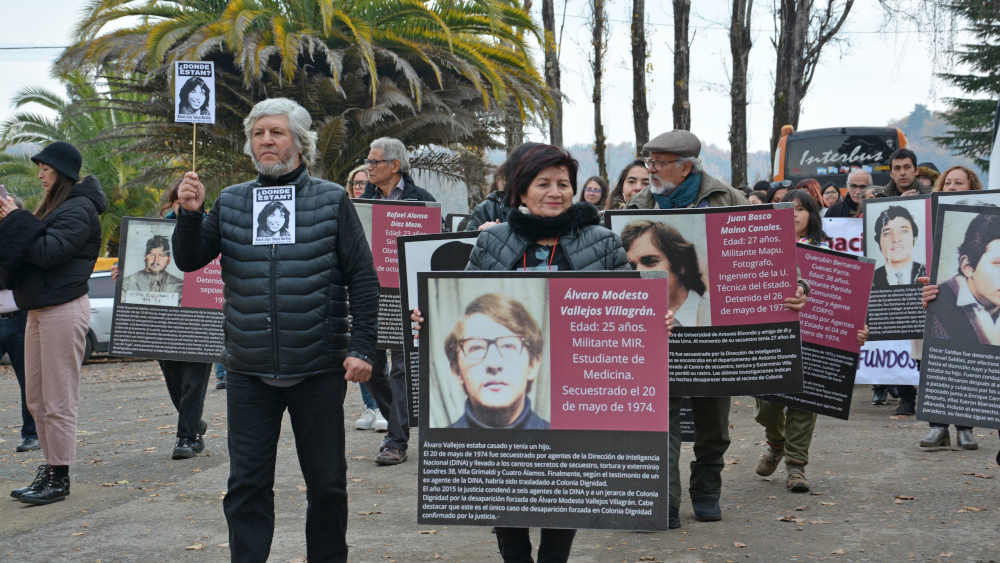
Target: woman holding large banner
x=789, y=430
x=544, y=231
x=962, y=292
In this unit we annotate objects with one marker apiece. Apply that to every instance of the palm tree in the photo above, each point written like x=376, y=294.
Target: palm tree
x=81, y=120
x=424, y=72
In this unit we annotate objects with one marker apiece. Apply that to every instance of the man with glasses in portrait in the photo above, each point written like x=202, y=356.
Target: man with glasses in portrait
x=495, y=350
x=857, y=182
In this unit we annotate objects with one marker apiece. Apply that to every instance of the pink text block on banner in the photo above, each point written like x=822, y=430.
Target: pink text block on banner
x=391, y=221
x=751, y=264
x=836, y=307
x=203, y=288
x=608, y=354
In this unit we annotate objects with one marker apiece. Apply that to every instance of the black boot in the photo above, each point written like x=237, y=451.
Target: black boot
x=183, y=449
x=56, y=487
x=41, y=475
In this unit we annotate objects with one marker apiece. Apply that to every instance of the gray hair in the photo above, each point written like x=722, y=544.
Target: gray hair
x=860, y=171
x=299, y=122
x=393, y=149
x=696, y=164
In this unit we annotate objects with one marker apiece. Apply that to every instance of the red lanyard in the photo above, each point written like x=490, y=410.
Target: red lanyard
x=524, y=257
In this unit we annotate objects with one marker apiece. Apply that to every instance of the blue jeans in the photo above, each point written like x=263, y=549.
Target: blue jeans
x=12, y=342
x=220, y=371
x=393, y=398
x=366, y=397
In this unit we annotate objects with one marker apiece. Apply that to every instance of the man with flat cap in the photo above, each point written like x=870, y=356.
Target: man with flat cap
x=678, y=180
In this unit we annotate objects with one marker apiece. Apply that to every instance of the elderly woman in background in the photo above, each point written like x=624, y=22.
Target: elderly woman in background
x=633, y=179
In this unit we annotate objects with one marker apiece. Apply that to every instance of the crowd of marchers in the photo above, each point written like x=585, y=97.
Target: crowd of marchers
x=289, y=345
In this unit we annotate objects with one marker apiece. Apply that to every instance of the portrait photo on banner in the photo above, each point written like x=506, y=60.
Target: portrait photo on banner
x=896, y=232
x=150, y=276
x=678, y=245
x=194, y=92
x=968, y=275
x=489, y=354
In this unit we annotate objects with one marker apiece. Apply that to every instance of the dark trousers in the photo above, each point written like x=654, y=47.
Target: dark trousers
x=393, y=398
x=187, y=383
x=711, y=440
x=12, y=342
x=515, y=545
x=254, y=410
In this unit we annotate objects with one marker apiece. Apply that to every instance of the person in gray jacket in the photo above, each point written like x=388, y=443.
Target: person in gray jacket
x=288, y=342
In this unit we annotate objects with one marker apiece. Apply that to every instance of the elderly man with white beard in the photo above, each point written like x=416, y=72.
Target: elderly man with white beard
x=288, y=342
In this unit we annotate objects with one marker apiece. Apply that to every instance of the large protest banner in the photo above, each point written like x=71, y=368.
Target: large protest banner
x=731, y=269
x=882, y=362
x=546, y=396
x=425, y=253
x=383, y=221
x=845, y=234
x=960, y=371
x=831, y=319
x=160, y=312
x=898, y=237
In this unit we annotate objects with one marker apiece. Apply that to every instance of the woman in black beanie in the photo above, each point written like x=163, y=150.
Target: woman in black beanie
x=50, y=282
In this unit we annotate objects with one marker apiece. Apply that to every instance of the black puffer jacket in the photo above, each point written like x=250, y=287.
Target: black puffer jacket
x=586, y=245
x=286, y=305
x=57, y=264
x=493, y=208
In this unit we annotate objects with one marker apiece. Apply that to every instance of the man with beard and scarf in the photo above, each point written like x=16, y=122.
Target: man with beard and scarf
x=288, y=344
x=678, y=180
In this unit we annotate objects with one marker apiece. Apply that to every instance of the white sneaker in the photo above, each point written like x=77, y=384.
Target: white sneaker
x=380, y=425
x=366, y=420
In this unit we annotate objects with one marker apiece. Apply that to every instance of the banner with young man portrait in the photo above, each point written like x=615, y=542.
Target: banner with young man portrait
x=959, y=379
x=155, y=301
x=730, y=270
x=545, y=396
x=898, y=238
x=425, y=253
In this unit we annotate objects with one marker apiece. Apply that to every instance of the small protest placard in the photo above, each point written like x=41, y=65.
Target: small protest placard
x=194, y=92
x=274, y=215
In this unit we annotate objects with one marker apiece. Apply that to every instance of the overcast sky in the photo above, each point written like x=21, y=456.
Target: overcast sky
x=875, y=75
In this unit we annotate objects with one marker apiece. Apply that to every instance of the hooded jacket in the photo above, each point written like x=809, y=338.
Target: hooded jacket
x=58, y=262
x=711, y=193
x=493, y=208
x=286, y=308
x=586, y=245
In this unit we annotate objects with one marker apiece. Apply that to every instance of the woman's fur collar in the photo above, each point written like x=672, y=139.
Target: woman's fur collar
x=533, y=227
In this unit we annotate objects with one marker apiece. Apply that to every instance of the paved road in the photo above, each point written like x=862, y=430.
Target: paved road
x=876, y=495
